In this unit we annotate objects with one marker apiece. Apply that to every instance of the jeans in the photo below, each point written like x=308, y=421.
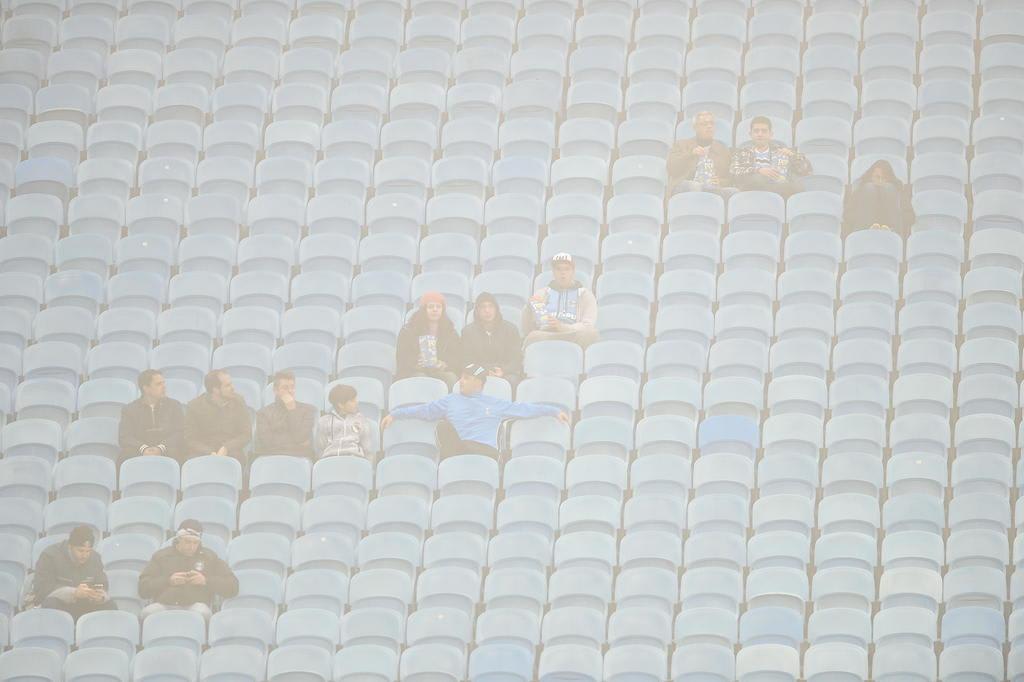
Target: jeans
x=759, y=183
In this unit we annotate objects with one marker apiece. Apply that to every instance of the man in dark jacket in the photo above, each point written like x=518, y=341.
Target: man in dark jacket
x=69, y=576
x=492, y=342
x=186, y=575
x=154, y=424
x=285, y=427
x=700, y=163
x=217, y=422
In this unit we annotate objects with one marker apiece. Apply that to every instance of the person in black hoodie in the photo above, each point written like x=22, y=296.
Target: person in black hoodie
x=69, y=576
x=186, y=575
x=492, y=342
x=428, y=345
x=878, y=201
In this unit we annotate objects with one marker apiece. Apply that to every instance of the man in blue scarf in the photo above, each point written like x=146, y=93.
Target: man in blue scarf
x=564, y=310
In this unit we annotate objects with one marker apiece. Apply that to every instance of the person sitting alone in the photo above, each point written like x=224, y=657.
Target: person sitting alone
x=766, y=165
x=471, y=418
x=878, y=201
x=186, y=575
x=344, y=431
x=285, y=427
x=428, y=345
x=69, y=576
x=491, y=341
x=700, y=163
x=564, y=310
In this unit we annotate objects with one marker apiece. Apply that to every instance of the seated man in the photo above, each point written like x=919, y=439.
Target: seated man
x=491, y=341
x=564, y=310
x=217, y=422
x=69, y=576
x=472, y=418
x=154, y=424
x=285, y=427
x=766, y=165
x=186, y=575
x=700, y=163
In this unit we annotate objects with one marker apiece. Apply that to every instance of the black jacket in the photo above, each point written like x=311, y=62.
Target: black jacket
x=154, y=581
x=449, y=350
x=161, y=426
x=280, y=431
x=502, y=347
x=55, y=569
x=208, y=426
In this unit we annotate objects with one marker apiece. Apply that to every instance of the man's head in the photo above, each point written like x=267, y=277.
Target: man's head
x=189, y=537
x=80, y=542
x=486, y=308
x=563, y=269
x=761, y=131
x=284, y=386
x=152, y=385
x=432, y=304
x=218, y=384
x=344, y=399
x=472, y=379
x=704, y=126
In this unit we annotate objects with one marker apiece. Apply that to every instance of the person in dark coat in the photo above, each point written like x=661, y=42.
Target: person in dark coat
x=154, y=424
x=700, y=163
x=186, y=575
x=285, y=427
x=878, y=201
x=218, y=422
x=492, y=342
x=69, y=576
x=428, y=345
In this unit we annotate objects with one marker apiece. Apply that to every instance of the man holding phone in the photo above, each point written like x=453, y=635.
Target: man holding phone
x=186, y=575
x=69, y=576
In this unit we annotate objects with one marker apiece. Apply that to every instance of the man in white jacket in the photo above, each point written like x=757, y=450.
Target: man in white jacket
x=344, y=431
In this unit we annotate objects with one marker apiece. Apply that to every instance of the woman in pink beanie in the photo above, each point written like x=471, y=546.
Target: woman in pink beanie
x=428, y=344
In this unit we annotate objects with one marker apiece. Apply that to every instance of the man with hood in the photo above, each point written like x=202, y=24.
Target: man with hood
x=564, y=310
x=471, y=419
x=766, y=165
x=492, y=342
x=69, y=576
x=186, y=575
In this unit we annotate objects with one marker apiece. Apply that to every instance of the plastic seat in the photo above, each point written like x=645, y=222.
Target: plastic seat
x=30, y=663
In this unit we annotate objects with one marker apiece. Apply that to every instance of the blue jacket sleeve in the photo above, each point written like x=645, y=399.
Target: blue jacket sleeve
x=431, y=411
x=528, y=410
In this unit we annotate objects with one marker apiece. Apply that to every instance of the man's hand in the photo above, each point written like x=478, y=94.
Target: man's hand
x=179, y=578
x=713, y=182
x=99, y=595
x=222, y=451
x=83, y=592
x=785, y=151
x=196, y=578
x=558, y=326
x=496, y=372
x=770, y=173
x=386, y=422
x=288, y=400
x=700, y=151
x=563, y=417
x=152, y=450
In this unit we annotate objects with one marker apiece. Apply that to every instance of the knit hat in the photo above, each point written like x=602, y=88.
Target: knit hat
x=81, y=536
x=432, y=297
x=563, y=257
x=190, y=528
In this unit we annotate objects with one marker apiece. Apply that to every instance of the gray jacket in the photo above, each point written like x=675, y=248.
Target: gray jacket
x=344, y=435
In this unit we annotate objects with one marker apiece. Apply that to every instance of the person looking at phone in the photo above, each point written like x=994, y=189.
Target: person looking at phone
x=69, y=576
x=186, y=575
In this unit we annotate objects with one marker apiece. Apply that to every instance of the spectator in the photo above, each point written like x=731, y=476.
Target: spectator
x=428, y=345
x=878, y=200
x=492, y=342
x=218, y=422
x=69, y=576
x=186, y=575
x=471, y=419
x=344, y=431
x=154, y=424
x=285, y=427
x=564, y=310
x=700, y=163
x=766, y=165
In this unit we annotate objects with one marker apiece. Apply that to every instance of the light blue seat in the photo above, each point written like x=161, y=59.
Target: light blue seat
x=614, y=358
x=944, y=210
x=151, y=477
x=74, y=288
x=336, y=514
x=308, y=626
x=314, y=551
x=772, y=625
x=312, y=324
x=686, y=287
x=713, y=63
x=545, y=436
x=49, y=399
x=259, y=289
x=44, y=175
x=823, y=135
x=250, y=628
x=26, y=478
x=61, y=516
x=182, y=360
x=996, y=172
x=22, y=518
x=997, y=97
x=108, y=630
x=764, y=211
x=415, y=391
x=449, y=252
x=881, y=135
x=144, y=253
x=245, y=361
x=510, y=288
x=624, y=323
x=105, y=397
x=898, y=62
x=603, y=436
x=128, y=551
x=232, y=663
x=453, y=285
x=250, y=325
x=212, y=253
x=328, y=252
x=685, y=323
x=215, y=513
x=16, y=560
x=203, y=289
x=211, y=475
x=944, y=172
x=66, y=325
x=831, y=98
x=411, y=436
x=280, y=475
x=267, y=253
x=501, y=663
x=141, y=290
x=554, y=359
x=30, y=664
x=306, y=360
x=510, y=252
x=257, y=589
x=187, y=324
x=608, y=396
x=997, y=208
x=140, y=515
x=299, y=663
x=368, y=359
x=727, y=433
x=372, y=660
x=973, y=625
x=270, y=514
x=381, y=288
x=164, y=664
x=555, y=391
x=177, y=628
x=629, y=252
x=16, y=327
x=317, y=588
x=116, y=360
x=997, y=134
x=941, y=134
x=776, y=66
x=665, y=434
x=90, y=476
x=379, y=324
x=10, y=596
x=946, y=97
x=97, y=663
x=679, y=359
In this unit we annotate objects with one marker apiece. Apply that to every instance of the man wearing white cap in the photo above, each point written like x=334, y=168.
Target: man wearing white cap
x=564, y=310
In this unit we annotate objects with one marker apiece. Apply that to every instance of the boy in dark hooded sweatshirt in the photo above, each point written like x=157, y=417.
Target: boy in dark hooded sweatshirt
x=492, y=342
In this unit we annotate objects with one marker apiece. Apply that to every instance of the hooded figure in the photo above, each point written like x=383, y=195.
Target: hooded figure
x=428, y=345
x=564, y=310
x=69, y=576
x=878, y=200
x=186, y=575
x=492, y=342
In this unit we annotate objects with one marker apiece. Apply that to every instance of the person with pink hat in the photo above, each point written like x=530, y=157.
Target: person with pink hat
x=428, y=345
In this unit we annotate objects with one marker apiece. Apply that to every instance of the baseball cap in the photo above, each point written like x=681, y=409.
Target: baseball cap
x=563, y=257
x=475, y=370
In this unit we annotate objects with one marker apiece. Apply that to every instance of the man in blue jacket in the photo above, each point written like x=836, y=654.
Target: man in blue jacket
x=471, y=418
